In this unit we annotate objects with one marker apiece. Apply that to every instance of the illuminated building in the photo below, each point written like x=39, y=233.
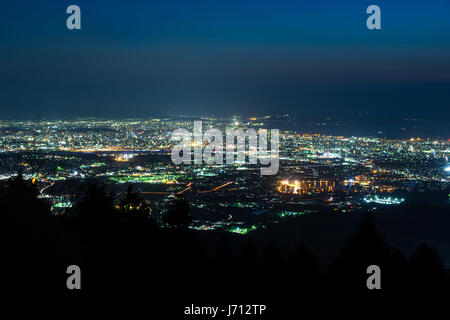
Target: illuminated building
x=306, y=186
x=383, y=200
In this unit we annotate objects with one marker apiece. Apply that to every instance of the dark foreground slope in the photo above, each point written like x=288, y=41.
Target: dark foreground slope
x=124, y=254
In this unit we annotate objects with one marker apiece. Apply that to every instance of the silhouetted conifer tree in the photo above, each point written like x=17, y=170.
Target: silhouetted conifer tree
x=426, y=272
x=178, y=215
x=348, y=273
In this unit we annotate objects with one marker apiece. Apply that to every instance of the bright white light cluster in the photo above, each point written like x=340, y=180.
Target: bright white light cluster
x=386, y=200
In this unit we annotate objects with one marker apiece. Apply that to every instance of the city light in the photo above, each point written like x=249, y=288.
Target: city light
x=319, y=172
x=385, y=200
x=305, y=186
x=290, y=214
x=124, y=157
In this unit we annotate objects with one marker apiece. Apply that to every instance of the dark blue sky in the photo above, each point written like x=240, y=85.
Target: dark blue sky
x=309, y=58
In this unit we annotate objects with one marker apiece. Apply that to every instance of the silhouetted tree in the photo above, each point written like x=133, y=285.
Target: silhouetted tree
x=426, y=272
x=19, y=200
x=133, y=208
x=28, y=240
x=97, y=226
x=94, y=205
x=120, y=249
x=367, y=247
x=178, y=214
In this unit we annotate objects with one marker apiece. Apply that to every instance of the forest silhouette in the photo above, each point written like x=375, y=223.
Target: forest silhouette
x=122, y=250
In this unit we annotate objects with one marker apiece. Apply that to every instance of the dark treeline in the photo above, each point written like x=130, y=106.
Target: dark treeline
x=123, y=251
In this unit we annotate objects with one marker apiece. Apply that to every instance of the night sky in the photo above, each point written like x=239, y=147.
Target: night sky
x=141, y=58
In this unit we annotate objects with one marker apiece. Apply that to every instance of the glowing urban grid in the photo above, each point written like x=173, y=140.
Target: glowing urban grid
x=341, y=174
